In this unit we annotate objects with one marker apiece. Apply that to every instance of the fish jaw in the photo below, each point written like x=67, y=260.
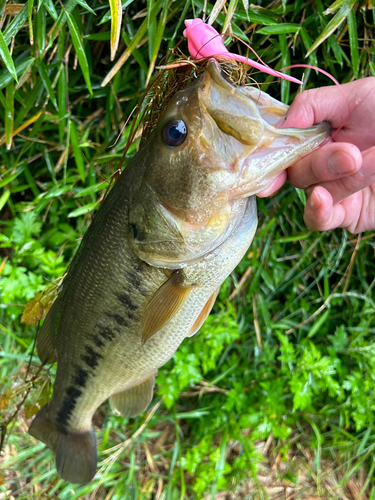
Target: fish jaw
x=250, y=116
x=281, y=149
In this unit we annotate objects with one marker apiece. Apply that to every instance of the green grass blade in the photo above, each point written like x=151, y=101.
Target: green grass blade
x=48, y=4
x=77, y=152
x=16, y=24
x=353, y=39
x=332, y=26
x=285, y=61
x=151, y=29
x=62, y=96
x=6, y=57
x=85, y=5
x=47, y=82
x=230, y=13
x=116, y=19
x=280, y=29
x=9, y=116
x=41, y=29
x=30, y=5
x=336, y=5
x=78, y=47
x=4, y=198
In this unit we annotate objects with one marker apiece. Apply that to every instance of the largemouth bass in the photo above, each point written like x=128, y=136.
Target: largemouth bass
x=174, y=226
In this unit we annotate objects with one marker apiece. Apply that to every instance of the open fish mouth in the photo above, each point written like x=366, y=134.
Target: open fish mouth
x=249, y=115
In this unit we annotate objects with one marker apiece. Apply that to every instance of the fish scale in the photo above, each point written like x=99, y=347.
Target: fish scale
x=174, y=226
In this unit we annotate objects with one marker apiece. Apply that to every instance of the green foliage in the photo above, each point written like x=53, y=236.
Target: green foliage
x=287, y=351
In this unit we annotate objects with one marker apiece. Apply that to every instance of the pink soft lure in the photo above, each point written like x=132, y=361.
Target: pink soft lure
x=205, y=41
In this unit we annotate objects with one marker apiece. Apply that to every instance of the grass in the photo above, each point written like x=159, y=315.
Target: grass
x=279, y=382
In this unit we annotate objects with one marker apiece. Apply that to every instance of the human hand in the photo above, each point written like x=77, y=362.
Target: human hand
x=339, y=178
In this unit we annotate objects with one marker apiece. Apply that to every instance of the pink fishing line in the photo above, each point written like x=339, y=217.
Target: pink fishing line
x=205, y=41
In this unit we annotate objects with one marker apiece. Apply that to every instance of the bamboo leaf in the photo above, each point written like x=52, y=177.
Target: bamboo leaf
x=333, y=24
x=353, y=40
x=62, y=96
x=285, y=61
x=48, y=4
x=6, y=77
x=336, y=5
x=7, y=180
x=133, y=44
x=6, y=57
x=151, y=29
x=9, y=116
x=78, y=47
x=77, y=152
x=16, y=24
x=107, y=15
x=230, y=13
x=84, y=210
x=280, y=29
x=41, y=29
x=116, y=19
x=158, y=39
x=307, y=43
x=4, y=198
x=46, y=81
x=30, y=5
x=218, y=7
x=85, y=5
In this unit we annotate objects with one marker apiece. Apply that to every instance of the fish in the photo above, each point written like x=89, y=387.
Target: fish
x=173, y=227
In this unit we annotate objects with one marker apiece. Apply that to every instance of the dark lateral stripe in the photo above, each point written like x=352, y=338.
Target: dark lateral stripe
x=81, y=377
x=134, y=279
x=105, y=332
x=119, y=319
x=97, y=340
x=126, y=301
x=69, y=403
x=91, y=358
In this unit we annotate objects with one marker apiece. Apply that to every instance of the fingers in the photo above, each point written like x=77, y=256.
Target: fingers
x=277, y=183
x=320, y=212
x=347, y=185
x=329, y=163
x=317, y=105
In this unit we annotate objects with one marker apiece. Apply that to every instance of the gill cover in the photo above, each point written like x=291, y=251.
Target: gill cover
x=215, y=145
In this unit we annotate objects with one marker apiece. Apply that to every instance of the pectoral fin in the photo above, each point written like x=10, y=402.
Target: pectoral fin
x=135, y=400
x=166, y=302
x=203, y=315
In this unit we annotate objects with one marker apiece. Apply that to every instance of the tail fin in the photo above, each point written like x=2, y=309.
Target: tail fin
x=75, y=451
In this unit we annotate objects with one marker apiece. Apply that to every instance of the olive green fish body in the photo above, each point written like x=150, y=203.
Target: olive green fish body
x=174, y=226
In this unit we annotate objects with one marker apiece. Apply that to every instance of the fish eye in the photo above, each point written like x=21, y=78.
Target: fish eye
x=175, y=133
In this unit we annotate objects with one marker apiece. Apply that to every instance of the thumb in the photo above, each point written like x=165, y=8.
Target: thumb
x=317, y=105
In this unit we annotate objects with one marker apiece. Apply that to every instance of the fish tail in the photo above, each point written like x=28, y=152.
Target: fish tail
x=75, y=450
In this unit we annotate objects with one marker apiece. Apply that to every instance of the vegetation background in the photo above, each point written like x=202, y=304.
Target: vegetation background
x=274, y=398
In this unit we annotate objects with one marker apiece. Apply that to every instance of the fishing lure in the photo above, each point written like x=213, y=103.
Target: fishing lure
x=204, y=41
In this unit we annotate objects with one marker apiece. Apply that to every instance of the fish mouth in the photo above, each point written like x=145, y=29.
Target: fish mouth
x=248, y=117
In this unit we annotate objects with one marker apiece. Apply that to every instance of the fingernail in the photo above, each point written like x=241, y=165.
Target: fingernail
x=340, y=163
x=368, y=167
